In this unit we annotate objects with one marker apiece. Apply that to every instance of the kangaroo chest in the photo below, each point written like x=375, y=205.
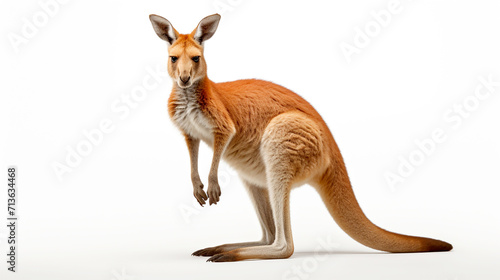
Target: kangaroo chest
x=189, y=117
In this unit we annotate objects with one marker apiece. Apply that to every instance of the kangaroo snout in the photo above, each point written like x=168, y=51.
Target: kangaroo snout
x=185, y=79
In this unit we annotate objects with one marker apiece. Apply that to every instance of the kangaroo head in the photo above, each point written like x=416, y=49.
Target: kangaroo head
x=186, y=64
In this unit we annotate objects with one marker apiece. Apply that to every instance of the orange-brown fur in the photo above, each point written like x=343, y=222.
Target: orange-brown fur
x=276, y=141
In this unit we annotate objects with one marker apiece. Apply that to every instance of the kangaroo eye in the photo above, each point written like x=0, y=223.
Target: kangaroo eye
x=196, y=59
x=173, y=59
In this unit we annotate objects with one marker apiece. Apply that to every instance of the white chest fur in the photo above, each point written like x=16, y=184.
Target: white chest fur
x=189, y=117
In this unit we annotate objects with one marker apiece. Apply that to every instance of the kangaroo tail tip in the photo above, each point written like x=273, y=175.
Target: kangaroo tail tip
x=433, y=245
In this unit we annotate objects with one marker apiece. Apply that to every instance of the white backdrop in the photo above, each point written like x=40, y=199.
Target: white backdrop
x=409, y=89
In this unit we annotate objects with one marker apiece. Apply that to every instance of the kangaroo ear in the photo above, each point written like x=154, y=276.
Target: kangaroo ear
x=164, y=29
x=206, y=28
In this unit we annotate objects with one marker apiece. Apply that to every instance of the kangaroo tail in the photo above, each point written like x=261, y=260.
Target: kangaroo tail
x=335, y=189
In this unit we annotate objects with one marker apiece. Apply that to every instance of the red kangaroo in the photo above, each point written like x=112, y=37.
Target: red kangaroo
x=275, y=140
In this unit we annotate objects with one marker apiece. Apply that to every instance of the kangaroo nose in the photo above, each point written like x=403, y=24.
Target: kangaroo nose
x=185, y=80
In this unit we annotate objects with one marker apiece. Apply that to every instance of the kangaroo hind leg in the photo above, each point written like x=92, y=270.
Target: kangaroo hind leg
x=291, y=149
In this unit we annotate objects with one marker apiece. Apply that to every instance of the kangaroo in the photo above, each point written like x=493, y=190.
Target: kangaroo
x=275, y=140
